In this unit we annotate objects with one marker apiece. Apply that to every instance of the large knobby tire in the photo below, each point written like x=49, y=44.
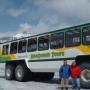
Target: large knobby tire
x=85, y=76
x=22, y=73
x=9, y=71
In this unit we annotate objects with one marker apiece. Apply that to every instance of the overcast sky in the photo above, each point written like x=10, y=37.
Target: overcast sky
x=38, y=16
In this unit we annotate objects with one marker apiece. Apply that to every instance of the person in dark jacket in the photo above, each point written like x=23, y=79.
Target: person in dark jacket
x=64, y=74
x=75, y=72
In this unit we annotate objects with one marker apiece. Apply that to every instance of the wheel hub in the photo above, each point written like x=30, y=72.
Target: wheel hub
x=8, y=72
x=86, y=75
x=19, y=73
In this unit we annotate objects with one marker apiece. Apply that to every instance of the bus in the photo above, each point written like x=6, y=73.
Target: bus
x=40, y=56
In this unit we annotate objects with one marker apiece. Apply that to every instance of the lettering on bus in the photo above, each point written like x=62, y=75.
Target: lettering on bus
x=55, y=54
x=47, y=55
x=44, y=55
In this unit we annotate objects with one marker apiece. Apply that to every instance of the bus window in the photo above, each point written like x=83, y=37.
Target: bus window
x=32, y=45
x=86, y=36
x=73, y=38
x=13, y=48
x=5, y=49
x=57, y=40
x=22, y=46
x=43, y=43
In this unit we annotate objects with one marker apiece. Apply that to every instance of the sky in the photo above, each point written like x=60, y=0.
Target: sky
x=39, y=16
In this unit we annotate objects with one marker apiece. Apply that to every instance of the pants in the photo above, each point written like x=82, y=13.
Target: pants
x=64, y=82
x=76, y=83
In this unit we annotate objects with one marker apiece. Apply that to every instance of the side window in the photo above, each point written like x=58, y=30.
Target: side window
x=86, y=36
x=73, y=38
x=5, y=49
x=13, y=48
x=57, y=40
x=43, y=43
x=32, y=45
x=22, y=46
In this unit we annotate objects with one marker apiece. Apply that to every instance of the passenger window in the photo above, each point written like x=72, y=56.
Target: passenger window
x=22, y=46
x=86, y=36
x=5, y=49
x=57, y=40
x=73, y=38
x=32, y=45
x=13, y=48
x=43, y=43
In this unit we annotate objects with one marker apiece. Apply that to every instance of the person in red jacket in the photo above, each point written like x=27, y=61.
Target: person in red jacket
x=75, y=72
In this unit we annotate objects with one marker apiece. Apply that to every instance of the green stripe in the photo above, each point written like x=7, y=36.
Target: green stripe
x=4, y=59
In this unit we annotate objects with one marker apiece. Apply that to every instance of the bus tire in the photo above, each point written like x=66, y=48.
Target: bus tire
x=85, y=76
x=21, y=73
x=9, y=71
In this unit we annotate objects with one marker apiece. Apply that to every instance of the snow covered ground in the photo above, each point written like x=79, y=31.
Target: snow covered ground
x=29, y=85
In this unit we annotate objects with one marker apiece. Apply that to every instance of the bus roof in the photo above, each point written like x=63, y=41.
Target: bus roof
x=82, y=25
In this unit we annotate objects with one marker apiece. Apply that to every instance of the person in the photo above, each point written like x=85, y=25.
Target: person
x=64, y=74
x=75, y=72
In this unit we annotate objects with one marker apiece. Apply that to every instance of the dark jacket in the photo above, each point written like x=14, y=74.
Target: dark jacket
x=64, y=71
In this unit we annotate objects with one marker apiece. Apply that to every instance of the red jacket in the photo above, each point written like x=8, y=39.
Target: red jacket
x=75, y=71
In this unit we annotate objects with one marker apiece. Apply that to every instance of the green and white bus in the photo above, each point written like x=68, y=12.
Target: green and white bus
x=40, y=56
